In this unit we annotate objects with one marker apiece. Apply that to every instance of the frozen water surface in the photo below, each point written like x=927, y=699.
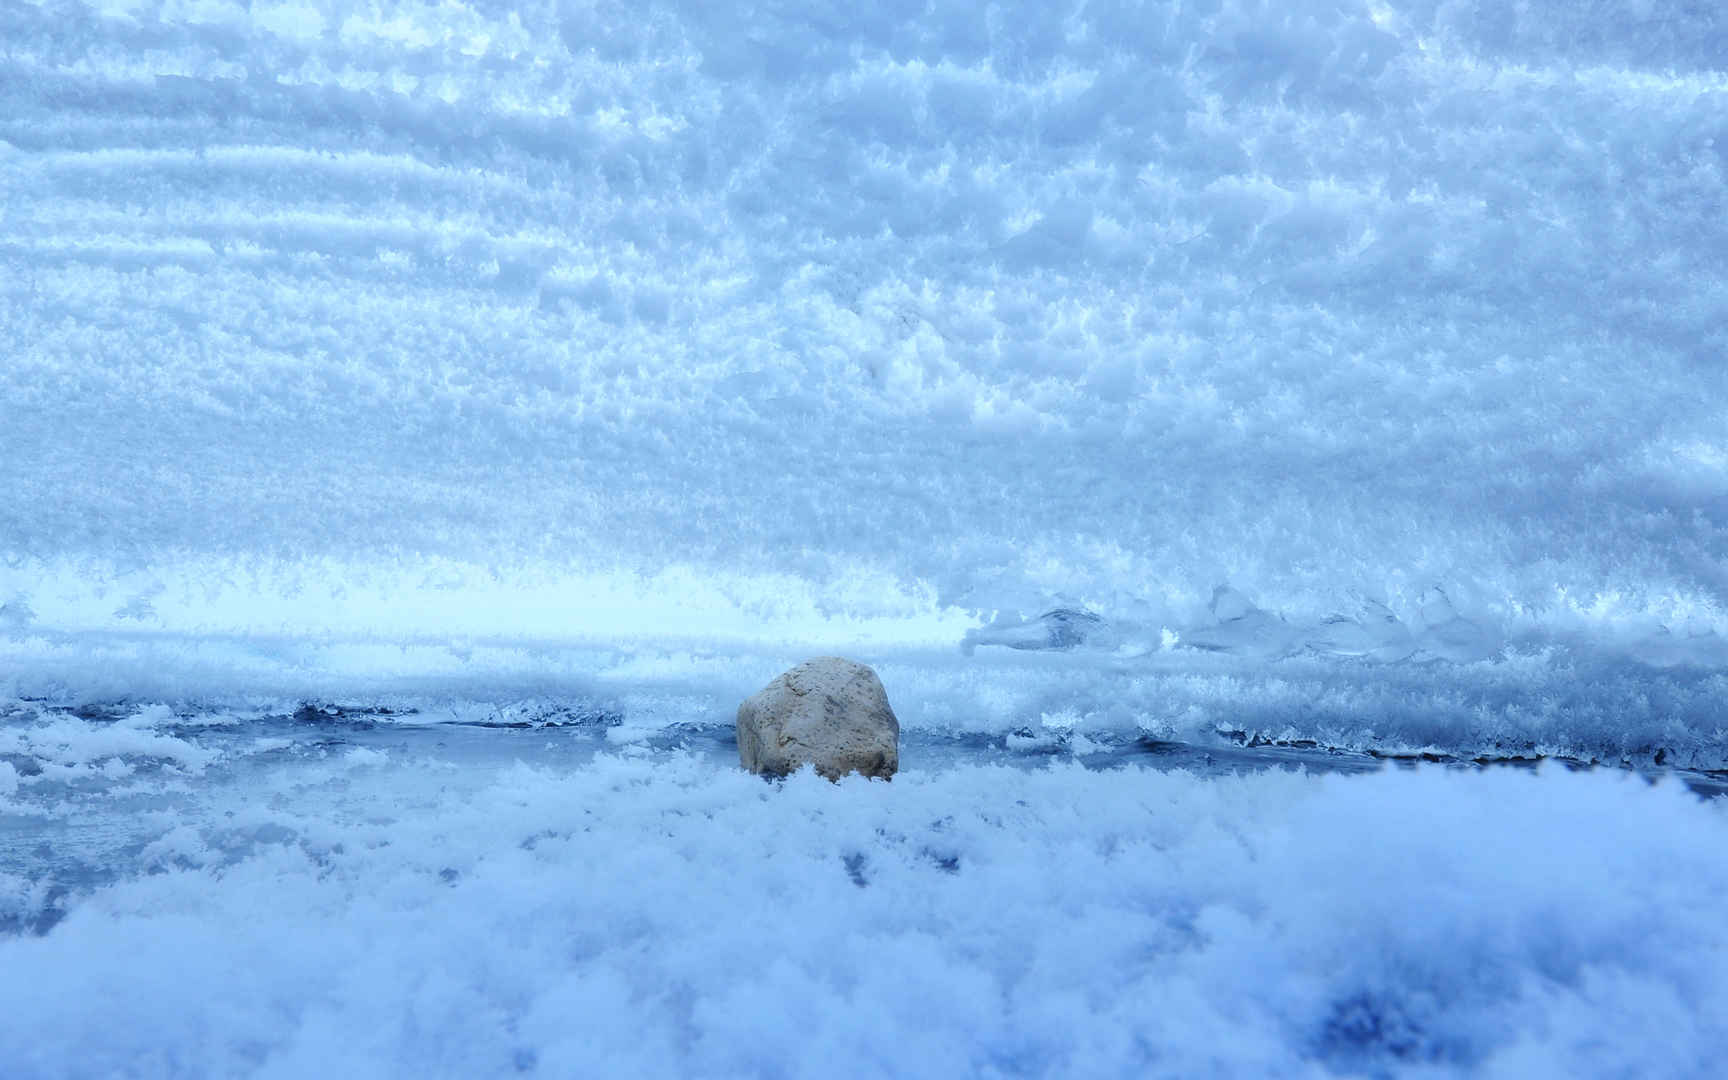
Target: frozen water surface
x=421, y=423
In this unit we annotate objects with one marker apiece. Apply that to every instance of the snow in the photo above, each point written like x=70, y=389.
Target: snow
x=675, y=917
x=392, y=391
x=990, y=306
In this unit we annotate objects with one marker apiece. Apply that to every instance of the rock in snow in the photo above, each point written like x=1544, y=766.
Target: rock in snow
x=828, y=712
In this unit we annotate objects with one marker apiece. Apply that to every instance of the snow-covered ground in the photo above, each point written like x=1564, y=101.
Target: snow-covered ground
x=1125, y=381
x=380, y=912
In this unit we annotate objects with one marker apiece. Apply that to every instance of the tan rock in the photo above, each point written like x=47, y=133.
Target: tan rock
x=828, y=712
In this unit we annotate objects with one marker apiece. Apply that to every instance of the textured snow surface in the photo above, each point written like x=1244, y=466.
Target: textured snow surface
x=374, y=317
x=1257, y=335
x=671, y=916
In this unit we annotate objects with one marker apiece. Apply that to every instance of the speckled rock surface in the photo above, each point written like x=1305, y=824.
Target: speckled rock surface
x=829, y=712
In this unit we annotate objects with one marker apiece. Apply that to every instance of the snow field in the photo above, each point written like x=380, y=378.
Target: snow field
x=673, y=916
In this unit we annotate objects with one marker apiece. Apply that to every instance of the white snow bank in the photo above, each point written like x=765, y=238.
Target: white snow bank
x=403, y=319
x=677, y=918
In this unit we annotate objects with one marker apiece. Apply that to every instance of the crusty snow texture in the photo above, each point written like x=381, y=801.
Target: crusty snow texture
x=406, y=317
x=678, y=917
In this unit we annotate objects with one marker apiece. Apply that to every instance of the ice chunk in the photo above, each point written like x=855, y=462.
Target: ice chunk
x=1240, y=627
x=1058, y=628
x=1373, y=633
x=1447, y=635
x=1230, y=605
